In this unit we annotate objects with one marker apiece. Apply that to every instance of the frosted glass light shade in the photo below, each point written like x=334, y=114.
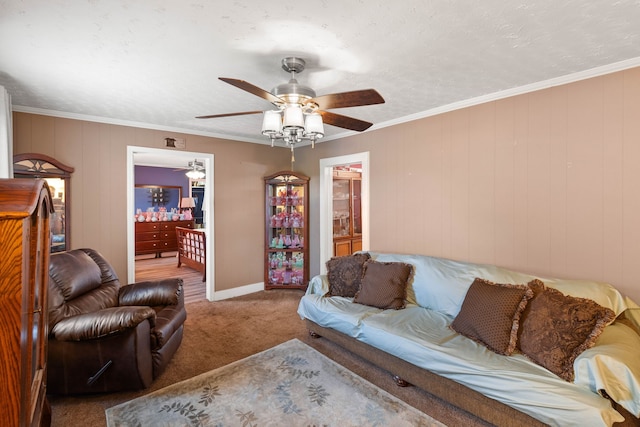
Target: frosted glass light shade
x=293, y=118
x=195, y=174
x=313, y=125
x=271, y=123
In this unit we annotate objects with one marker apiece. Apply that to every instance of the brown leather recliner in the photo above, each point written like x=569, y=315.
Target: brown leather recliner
x=104, y=337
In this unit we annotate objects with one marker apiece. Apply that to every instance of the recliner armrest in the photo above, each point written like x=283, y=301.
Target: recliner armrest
x=102, y=323
x=152, y=293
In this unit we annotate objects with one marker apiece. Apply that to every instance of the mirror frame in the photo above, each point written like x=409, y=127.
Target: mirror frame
x=141, y=189
x=36, y=165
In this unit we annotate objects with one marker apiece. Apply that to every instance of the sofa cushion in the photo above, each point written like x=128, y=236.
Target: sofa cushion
x=345, y=274
x=384, y=284
x=557, y=328
x=490, y=314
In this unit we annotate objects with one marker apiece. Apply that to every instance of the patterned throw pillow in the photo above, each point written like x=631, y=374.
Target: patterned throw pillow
x=537, y=287
x=490, y=314
x=558, y=327
x=384, y=284
x=345, y=274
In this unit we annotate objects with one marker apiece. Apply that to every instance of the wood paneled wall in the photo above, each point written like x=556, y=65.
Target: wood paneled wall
x=98, y=207
x=546, y=182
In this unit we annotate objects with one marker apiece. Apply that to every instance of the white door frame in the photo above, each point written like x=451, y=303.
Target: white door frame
x=183, y=157
x=326, y=203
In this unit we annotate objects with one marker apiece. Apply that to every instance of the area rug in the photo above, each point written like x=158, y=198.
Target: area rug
x=291, y=384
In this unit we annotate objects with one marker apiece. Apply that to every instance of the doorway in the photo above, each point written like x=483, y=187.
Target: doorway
x=326, y=202
x=171, y=159
x=347, y=209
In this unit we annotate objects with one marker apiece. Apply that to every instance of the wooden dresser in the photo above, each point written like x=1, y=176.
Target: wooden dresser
x=25, y=210
x=158, y=237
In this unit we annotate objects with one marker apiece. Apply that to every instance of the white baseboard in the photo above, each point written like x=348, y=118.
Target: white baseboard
x=236, y=292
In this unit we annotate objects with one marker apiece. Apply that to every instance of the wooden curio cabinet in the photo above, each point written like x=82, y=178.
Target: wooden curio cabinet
x=25, y=211
x=58, y=177
x=347, y=212
x=286, y=254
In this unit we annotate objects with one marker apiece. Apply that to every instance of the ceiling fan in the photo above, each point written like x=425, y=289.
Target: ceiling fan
x=195, y=169
x=300, y=113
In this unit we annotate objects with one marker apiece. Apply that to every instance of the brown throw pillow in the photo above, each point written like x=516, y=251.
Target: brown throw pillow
x=558, y=327
x=384, y=284
x=537, y=287
x=345, y=274
x=490, y=314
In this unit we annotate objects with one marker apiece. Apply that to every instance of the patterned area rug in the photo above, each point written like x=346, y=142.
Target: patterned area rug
x=291, y=384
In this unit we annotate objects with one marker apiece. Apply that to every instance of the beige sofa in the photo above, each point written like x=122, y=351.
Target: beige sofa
x=417, y=345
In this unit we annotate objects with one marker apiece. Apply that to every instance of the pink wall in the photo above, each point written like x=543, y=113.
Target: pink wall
x=546, y=182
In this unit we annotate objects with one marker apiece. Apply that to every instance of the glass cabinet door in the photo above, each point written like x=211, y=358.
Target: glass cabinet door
x=341, y=208
x=356, y=193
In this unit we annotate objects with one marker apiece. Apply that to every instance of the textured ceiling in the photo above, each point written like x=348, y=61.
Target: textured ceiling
x=156, y=63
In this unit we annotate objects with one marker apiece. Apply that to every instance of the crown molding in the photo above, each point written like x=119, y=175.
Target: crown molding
x=557, y=81
x=545, y=84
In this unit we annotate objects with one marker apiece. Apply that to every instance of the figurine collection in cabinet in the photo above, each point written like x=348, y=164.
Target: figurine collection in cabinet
x=286, y=230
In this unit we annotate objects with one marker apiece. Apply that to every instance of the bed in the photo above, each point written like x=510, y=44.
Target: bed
x=192, y=249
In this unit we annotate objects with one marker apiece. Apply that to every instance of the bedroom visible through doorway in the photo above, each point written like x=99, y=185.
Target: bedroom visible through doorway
x=174, y=161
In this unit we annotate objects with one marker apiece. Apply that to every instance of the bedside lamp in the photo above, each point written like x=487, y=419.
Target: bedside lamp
x=185, y=207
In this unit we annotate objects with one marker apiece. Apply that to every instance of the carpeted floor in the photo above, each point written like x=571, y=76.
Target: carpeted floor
x=218, y=333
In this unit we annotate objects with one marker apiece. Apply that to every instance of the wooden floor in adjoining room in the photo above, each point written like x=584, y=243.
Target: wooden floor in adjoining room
x=150, y=268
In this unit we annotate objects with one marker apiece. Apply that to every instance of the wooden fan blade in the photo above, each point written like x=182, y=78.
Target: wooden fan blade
x=344, y=121
x=255, y=90
x=214, y=116
x=355, y=98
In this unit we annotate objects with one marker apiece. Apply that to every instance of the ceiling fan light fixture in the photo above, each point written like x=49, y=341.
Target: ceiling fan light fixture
x=196, y=171
x=293, y=118
x=195, y=174
x=271, y=123
x=292, y=125
x=313, y=125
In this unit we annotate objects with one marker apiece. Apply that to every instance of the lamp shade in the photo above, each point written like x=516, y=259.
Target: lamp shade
x=187, y=202
x=313, y=125
x=271, y=123
x=293, y=117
